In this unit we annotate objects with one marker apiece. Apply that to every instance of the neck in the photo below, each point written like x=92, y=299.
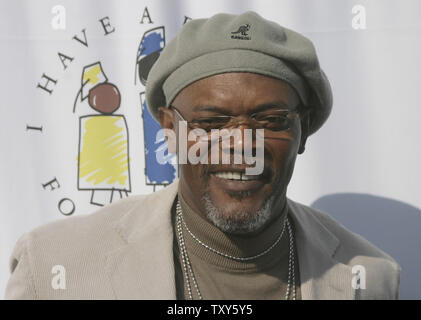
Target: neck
x=233, y=245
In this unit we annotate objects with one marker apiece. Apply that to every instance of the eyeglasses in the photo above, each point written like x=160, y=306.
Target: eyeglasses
x=274, y=121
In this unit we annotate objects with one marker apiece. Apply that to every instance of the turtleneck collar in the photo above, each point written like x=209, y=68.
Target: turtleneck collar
x=234, y=245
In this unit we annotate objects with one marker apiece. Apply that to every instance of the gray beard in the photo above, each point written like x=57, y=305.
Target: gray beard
x=243, y=222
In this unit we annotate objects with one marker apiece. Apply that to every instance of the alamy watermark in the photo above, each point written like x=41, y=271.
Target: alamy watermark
x=58, y=282
x=209, y=144
x=58, y=21
x=359, y=278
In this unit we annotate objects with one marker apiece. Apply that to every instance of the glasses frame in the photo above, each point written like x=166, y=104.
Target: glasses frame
x=295, y=111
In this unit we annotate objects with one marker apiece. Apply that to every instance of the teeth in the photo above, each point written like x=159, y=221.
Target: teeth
x=229, y=175
x=245, y=177
x=235, y=176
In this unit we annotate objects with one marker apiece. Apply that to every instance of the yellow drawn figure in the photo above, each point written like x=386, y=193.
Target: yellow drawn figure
x=103, y=159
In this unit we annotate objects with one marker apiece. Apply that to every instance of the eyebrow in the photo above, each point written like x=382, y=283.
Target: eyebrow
x=258, y=108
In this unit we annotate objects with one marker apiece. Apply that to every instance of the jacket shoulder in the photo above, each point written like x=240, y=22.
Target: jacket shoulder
x=79, y=243
x=353, y=250
x=85, y=225
x=350, y=242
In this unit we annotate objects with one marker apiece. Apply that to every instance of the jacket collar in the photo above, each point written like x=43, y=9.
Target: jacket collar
x=143, y=268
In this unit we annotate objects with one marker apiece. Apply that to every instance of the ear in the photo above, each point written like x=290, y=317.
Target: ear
x=305, y=125
x=166, y=119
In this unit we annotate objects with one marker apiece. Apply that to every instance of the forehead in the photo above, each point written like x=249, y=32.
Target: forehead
x=236, y=91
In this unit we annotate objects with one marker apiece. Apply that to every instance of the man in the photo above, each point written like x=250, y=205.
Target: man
x=219, y=232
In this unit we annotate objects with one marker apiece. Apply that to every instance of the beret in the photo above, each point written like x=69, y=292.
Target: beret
x=240, y=43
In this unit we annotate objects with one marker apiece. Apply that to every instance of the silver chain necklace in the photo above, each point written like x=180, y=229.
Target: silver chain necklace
x=188, y=270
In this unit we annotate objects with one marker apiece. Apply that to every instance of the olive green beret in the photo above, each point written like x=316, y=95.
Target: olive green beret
x=240, y=43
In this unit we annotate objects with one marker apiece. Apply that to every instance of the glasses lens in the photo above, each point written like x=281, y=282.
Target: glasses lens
x=212, y=123
x=279, y=121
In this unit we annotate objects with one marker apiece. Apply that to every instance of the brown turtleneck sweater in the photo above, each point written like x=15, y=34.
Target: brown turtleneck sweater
x=222, y=278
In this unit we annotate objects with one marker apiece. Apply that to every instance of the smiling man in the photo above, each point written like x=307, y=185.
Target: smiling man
x=218, y=232
x=232, y=218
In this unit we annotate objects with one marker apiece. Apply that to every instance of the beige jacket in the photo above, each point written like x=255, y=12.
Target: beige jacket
x=125, y=251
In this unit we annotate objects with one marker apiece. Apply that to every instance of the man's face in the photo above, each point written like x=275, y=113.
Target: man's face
x=202, y=185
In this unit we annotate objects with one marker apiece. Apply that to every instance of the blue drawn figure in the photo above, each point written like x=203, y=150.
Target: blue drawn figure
x=156, y=173
x=150, y=47
x=103, y=159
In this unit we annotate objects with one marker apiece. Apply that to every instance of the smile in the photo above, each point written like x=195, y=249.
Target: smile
x=234, y=181
x=237, y=176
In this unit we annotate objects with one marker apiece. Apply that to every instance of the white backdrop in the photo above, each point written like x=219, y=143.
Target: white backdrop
x=363, y=166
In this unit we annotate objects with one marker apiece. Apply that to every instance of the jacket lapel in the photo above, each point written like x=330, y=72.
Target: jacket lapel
x=143, y=268
x=321, y=276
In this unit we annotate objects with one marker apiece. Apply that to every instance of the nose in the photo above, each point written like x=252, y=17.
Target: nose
x=244, y=137
x=237, y=143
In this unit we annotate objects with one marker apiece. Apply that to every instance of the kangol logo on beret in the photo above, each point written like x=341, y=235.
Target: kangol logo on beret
x=243, y=31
